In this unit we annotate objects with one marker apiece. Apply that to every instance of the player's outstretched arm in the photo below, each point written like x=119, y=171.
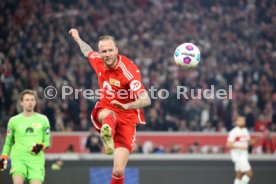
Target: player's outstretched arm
x=84, y=47
x=142, y=101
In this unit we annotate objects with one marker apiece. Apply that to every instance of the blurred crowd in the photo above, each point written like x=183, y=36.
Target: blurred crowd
x=236, y=39
x=265, y=144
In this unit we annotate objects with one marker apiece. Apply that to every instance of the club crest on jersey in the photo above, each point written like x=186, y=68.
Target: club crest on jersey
x=8, y=131
x=135, y=85
x=107, y=86
x=114, y=82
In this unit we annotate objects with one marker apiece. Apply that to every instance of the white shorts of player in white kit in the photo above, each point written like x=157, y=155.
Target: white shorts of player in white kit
x=242, y=165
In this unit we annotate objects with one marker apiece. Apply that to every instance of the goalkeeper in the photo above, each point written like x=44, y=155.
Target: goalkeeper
x=28, y=135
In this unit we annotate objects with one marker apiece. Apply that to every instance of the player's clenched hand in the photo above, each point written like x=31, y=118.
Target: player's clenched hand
x=3, y=163
x=119, y=104
x=74, y=33
x=36, y=148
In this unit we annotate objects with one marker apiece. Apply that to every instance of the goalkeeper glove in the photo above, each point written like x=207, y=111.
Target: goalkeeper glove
x=3, y=163
x=37, y=148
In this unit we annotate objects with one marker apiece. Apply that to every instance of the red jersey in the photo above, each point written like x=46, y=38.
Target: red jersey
x=122, y=83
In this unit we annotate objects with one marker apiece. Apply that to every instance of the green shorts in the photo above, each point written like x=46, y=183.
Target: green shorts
x=29, y=170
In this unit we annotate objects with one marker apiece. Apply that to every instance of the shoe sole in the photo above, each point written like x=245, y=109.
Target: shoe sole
x=106, y=137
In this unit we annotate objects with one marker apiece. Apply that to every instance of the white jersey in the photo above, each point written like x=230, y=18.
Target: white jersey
x=240, y=137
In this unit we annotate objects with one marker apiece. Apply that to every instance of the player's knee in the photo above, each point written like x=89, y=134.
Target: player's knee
x=118, y=171
x=105, y=113
x=112, y=113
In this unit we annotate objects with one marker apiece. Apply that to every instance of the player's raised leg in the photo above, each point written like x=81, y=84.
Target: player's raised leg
x=120, y=161
x=108, y=120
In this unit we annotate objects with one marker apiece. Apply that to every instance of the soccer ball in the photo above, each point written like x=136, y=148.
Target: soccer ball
x=187, y=55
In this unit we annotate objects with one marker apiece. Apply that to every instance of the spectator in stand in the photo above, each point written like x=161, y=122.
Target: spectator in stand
x=194, y=147
x=208, y=127
x=148, y=147
x=221, y=127
x=261, y=124
x=138, y=148
x=268, y=146
x=93, y=142
x=176, y=149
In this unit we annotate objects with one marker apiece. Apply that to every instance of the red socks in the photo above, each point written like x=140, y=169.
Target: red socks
x=111, y=121
x=117, y=180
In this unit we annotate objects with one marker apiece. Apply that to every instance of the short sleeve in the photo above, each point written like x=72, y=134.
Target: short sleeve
x=94, y=59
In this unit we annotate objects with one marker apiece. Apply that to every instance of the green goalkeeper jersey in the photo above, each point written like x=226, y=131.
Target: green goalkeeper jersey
x=23, y=132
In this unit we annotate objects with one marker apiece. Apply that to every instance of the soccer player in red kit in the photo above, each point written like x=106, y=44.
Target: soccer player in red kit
x=122, y=96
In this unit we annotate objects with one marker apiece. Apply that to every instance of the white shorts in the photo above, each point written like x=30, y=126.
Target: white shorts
x=242, y=165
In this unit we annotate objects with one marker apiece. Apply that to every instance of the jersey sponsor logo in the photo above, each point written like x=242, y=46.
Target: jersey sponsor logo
x=29, y=130
x=114, y=82
x=47, y=130
x=37, y=125
x=135, y=85
x=108, y=89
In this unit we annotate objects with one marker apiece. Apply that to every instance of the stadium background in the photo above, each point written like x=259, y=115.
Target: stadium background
x=237, y=43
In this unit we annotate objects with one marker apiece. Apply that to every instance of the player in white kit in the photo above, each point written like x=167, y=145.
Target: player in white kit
x=238, y=142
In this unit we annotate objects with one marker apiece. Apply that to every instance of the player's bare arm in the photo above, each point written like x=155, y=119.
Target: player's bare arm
x=84, y=47
x=142, y=101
